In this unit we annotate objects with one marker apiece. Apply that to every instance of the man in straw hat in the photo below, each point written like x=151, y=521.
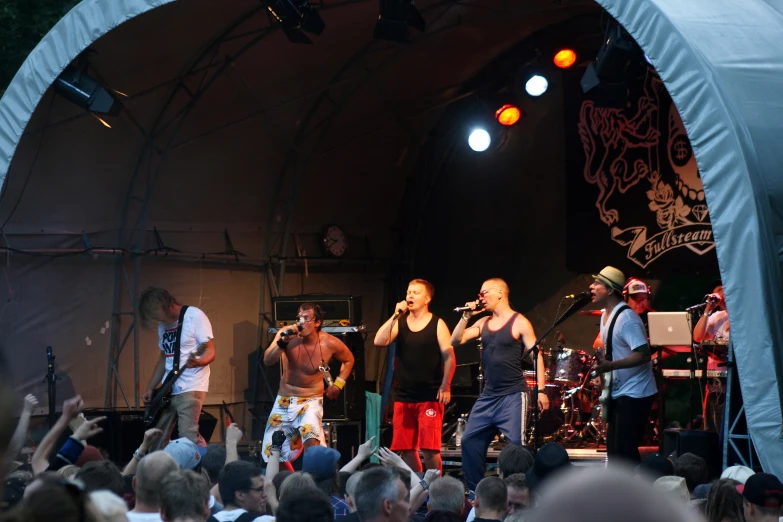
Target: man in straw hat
x=627, y=357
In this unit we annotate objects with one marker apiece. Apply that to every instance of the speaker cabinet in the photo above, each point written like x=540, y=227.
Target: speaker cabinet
x=351, y=402
x=701, y=443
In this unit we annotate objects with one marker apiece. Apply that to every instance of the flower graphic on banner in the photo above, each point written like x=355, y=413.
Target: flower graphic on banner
x=669, y=212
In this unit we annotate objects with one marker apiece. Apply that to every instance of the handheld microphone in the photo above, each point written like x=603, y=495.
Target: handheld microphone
x=460, y=309
x=696, y=307
x=398, y=313
x=291, y=331
x=580, y=295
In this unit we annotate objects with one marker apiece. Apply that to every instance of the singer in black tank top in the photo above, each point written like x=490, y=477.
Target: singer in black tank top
x=503, y=373
x=418, y=362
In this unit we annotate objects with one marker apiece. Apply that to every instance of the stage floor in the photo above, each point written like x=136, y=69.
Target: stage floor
x=452, y=457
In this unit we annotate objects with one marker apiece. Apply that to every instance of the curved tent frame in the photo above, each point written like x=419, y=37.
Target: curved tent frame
x=725, y=85
x=721, y=63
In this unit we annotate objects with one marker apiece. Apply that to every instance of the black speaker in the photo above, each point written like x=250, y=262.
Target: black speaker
x=206, y=426
x=345, y=437
x=122, y=433
x=699, y=442
x=267, y=380
x=351, y=402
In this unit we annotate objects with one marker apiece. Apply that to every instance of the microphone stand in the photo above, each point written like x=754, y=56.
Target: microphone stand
x=579, y=303
x=693, y=316
x=51, y=379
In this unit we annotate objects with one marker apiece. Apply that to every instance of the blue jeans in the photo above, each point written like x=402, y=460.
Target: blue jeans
x=505, y=413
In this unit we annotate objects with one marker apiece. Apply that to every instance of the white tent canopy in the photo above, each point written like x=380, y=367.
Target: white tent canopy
x=273, y=118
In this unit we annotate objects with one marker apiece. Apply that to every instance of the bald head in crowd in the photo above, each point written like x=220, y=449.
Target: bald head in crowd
x=350, y=490
x=620, y=499
x=151, y=471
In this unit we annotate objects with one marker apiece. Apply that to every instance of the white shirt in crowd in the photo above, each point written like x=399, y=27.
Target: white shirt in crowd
x=230, y=516
x=143, y=517
x=637, y=382
x=196, y=329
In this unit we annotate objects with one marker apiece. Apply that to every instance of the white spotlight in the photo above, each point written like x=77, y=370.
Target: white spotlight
x=479, y=140
x=536, y=85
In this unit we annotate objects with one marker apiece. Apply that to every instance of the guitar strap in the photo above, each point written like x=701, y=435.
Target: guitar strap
x=175, y=368
x=610, y=332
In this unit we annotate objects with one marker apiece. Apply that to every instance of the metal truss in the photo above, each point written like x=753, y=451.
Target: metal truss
x=736, y=435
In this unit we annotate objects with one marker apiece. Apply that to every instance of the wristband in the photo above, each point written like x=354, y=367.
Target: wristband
x=282, y=344
x=424, y=484
x=138, y=455
x=466, y=319
x=339, y=382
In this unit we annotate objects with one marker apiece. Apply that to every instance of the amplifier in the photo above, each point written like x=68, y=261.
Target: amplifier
x=339, y=310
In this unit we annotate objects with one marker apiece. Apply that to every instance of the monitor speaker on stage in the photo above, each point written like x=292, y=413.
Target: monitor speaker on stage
x=699, y=442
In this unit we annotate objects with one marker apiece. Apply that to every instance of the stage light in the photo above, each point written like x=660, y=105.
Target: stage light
x=479, y=140
x=77, y=86
x=394, y=17
x=564, y=58
x=536, y=85
x=613, y=59
x=508, y=115
x=296, y=16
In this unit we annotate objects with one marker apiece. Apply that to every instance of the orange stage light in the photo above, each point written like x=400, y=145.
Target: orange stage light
x=565, y=58
x=508, y=115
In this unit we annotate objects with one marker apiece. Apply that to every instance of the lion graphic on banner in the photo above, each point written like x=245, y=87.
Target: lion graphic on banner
x=623, y=150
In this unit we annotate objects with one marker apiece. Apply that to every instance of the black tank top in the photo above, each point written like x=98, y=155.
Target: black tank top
x=418, y=368
x=502, y=360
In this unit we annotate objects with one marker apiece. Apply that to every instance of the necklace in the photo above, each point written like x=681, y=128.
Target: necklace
x=308, y=352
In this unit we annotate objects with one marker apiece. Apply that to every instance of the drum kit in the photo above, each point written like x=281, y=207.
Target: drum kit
x=574, y=414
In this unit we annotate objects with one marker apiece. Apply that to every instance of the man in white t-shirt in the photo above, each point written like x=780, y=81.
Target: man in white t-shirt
x=713, y=325
x=197, y=351
x=632, y=383
x=150, y=472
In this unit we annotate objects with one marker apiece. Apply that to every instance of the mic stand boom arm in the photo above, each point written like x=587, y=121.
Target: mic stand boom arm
x=579, y=303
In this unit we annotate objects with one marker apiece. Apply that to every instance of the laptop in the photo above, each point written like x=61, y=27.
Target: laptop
x=669, y=329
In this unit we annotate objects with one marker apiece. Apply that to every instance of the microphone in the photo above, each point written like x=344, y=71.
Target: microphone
x=581, y=295
x=291, y=331
x=398, y=313
x=696, y=307
x=469, y=309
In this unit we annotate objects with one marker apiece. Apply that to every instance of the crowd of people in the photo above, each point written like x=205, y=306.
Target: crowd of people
x=184, y=482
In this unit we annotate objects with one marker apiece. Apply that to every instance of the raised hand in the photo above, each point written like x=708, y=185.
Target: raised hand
x=88, y=428
x=390, y=459
x=366, y=449
x=233, y=433
x=30, y=402
x=73, y=407
x=430, y=475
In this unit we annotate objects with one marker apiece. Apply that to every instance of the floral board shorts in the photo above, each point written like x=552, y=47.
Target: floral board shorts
x=301, y=419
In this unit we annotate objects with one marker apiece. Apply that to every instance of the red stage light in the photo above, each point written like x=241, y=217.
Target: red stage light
x=565, y=58
x=508, y=115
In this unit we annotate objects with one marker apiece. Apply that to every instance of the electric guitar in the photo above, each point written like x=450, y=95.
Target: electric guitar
x=161, y=395
x=606, y=391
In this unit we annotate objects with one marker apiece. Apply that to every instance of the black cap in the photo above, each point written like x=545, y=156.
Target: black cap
x=550, y=458
x=763, y=489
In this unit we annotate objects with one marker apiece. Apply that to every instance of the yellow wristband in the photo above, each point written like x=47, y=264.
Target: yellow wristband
x=339, y=383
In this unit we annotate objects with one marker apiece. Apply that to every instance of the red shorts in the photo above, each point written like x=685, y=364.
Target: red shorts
x=417, y=425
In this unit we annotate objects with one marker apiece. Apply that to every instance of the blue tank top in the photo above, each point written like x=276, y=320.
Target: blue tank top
x=502, y=360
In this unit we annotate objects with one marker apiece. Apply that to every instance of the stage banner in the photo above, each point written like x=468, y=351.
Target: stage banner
x=635, y=197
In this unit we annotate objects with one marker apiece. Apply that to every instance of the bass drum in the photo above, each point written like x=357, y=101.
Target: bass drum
x=552, y=419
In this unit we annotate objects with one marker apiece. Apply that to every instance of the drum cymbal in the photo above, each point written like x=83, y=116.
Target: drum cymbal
x=591, y=312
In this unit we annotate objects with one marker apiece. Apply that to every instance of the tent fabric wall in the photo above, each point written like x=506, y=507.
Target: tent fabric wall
x=84, y=24
x=722, y=65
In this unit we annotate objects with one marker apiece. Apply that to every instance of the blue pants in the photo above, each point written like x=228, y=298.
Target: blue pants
x=505, y=413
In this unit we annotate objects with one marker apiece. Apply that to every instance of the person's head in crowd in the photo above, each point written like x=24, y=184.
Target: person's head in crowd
x=442, y=515
x=514, y=458
x=89, y=454
x=370, y=465
x=447, y=494
x=382, y=496
x=693, y=469
x=491, y=499
x=350, y=490
x=278, y=479
x=655, y=466
x=305, y=505
x=187, y=454
x=68, y=471
x=297, y=480
x=321, y=462
x=151, y=470
x=102, y=474
x=241, y=485
x=762, y=498
x=13, y=493
x=55, y=499
x=405, y=476
x=342, y=481
x=111, y=507
x=46, y=477
x=739, y=473
x=519, y=516
x=724, y=502
x=574, y=496
x=673, y=486
x=213, y=462
x=518, y=493
x=184, y=497
x=550, y=459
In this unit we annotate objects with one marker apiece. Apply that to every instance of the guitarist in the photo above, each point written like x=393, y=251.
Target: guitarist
x=156, y=305
x=627, y=357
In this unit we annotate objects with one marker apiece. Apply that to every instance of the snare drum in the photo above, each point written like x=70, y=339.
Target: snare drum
x=572, y=366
